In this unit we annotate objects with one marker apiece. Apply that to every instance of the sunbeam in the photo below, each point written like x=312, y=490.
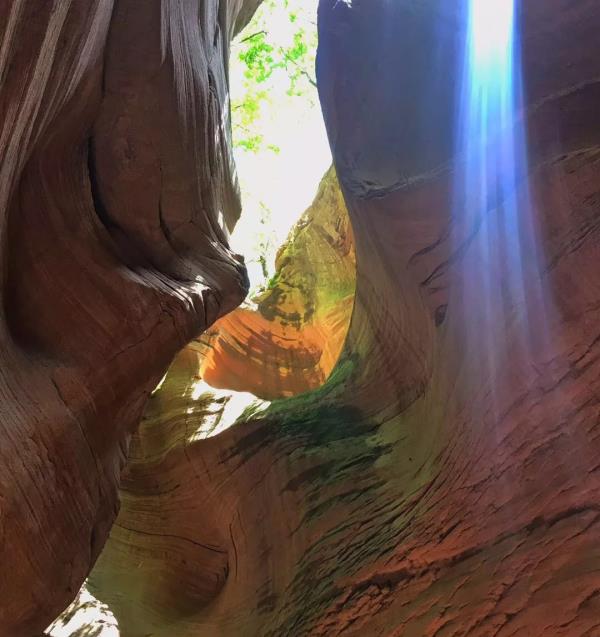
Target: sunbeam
x=492, y=200
x=491, y=193
x=491, y=29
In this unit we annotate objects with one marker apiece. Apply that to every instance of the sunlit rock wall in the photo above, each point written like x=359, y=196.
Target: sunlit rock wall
x=289, y=340
x=116, y=184
x=414, y=493
x=170, y=523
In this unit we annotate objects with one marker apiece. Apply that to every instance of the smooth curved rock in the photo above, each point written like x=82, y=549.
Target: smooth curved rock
x=116, y=183
x=287, y=344
x=414, y=493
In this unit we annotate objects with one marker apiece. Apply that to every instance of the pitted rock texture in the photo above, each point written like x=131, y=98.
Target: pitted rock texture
x=116, y=186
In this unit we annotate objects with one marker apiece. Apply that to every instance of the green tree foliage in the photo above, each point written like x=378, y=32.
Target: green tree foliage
x=277, y=51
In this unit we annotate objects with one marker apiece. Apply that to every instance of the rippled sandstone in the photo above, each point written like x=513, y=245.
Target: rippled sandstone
x=116, y=184
x=413, y=493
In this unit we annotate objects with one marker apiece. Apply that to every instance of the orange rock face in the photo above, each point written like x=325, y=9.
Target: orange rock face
x=291, y=341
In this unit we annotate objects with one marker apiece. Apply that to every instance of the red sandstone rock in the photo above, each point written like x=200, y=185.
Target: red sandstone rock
x=415, y=493
x=116, y=181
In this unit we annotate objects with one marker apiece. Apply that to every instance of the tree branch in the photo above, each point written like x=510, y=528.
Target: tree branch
x=304, y=72
x=254, y=35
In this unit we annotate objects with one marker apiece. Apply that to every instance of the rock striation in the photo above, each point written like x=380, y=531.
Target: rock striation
x=169, y=518
x=290, y=339
x=417, y=491
x=116, y=190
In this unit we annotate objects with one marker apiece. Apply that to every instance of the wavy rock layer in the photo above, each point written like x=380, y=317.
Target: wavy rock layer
x=116, y=184
x=415, y=493
x=287, y=344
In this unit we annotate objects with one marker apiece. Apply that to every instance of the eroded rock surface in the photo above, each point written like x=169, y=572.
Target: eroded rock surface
x=116, y=186
x=290, y=342
x=415, y=493
x=286, y=344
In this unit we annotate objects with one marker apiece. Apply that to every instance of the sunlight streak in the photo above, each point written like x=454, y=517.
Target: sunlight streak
x=502, y=281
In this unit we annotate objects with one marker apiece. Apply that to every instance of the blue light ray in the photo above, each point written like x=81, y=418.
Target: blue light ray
x=492, y=196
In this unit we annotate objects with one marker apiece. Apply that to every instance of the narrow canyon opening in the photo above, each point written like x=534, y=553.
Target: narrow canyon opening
x=359, y=400
x=286, y=337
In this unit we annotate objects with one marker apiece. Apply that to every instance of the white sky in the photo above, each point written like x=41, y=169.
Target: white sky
x=285, y=183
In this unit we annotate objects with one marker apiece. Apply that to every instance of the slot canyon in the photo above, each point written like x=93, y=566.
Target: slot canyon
x=401, y=436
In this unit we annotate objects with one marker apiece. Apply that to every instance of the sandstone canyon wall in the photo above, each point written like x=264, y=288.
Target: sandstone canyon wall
x=417, y=492
x=116, y=186
x=291, y=340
